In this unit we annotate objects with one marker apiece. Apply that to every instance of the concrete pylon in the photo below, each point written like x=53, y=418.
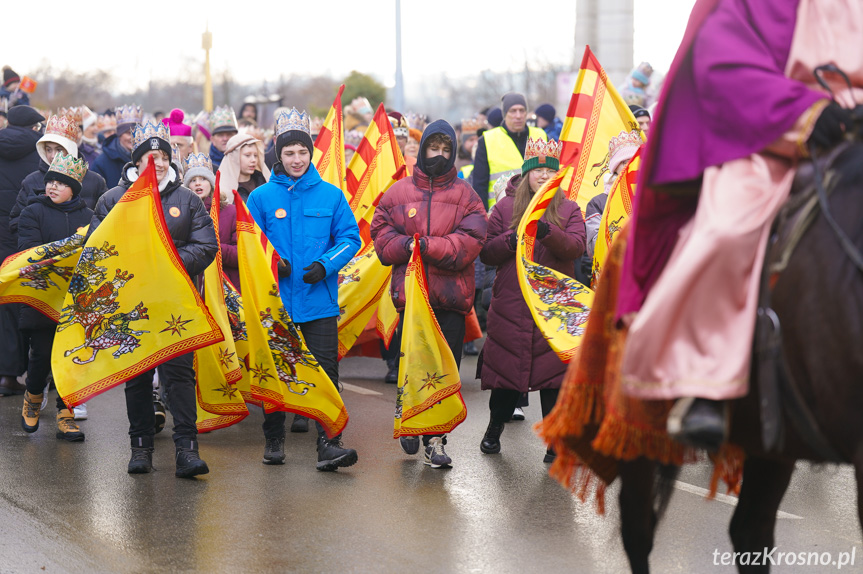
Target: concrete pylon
x=608, y=27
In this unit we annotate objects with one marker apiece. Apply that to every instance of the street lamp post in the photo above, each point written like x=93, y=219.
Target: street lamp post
x=399, y=92
x=206, y=44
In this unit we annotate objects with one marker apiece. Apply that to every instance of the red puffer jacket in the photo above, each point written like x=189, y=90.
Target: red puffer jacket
x=450, y=215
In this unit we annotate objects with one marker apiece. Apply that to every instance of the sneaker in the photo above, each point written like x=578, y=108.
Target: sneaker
x=80, y=412
x=30, y=412
x=274, y=451
x=299, y=424
x=518, y=414
x=435, y=456
x=10, y=386
x=410, y=444
x=332, y=455
x=490, y=443
x=189, y=464
x=67, y=429
x=142, y=455
x=159, y=410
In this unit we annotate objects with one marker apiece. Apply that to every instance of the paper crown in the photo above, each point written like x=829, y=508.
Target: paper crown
x=76, y=114
x=353, y=137
x=149, y=130
x=417, y=121
x=63, y=126
x=69, y=166
x=223, y=119
x=400, y=124
x=542, y=148
x=292, y=121
x=316, y=125
x=470, y=126
x=198, y=160
x=105, y=123
x=622, y=140
x=129, y=114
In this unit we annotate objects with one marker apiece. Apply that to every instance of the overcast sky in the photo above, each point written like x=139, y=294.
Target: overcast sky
x=264, y=39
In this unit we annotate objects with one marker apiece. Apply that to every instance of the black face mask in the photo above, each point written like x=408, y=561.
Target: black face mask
x=435, y=166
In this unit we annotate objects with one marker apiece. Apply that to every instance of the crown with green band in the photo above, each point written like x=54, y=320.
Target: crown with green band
x=540, y=153
x=223, y=119
x=69, y=166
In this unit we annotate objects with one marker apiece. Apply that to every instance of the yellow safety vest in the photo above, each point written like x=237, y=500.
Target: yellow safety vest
x=466, y=171
x=503, y=155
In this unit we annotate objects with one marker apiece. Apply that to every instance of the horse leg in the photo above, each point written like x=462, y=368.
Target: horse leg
x=754, y=521
x=637, y=516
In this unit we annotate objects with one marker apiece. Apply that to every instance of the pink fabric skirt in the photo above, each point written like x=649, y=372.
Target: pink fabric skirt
x=693, y=335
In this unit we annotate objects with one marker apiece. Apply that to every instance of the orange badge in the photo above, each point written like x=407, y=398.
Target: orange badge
x=174, y=211
x=281, y=213
x=412, y=212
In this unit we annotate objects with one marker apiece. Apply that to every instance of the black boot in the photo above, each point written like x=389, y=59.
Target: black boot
x=332, y=455
x=392, y=372
x=189, y=464
x=142, y=455
x=274, y=450
x=491, y=441
x=299, y=424
x=701, y=423
x=470, y=349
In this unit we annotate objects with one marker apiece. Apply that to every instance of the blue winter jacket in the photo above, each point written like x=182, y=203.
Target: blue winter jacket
x=110, y=163
x=552, y=130
x=316, y=224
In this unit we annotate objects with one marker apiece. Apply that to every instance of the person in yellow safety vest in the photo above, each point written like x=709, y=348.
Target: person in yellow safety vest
x=500, y=151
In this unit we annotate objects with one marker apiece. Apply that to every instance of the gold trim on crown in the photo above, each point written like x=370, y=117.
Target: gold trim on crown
x=64, y=126
x=149, y=130
x=540, y=147
x=223, y=116
x=196, y=160
x=470, y=126
x=624, y=139
x=293, y=120
x=105, y=123
x=129, y=114
x=67, y=165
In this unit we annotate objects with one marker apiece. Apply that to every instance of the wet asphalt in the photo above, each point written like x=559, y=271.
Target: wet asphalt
x=73, y=508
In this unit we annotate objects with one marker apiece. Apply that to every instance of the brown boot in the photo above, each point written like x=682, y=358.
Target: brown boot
x=11, y=386
x=30, y=412
x=67, y=428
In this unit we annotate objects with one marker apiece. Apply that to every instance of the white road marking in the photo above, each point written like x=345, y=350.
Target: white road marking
x=725, y=498
x=359, y=390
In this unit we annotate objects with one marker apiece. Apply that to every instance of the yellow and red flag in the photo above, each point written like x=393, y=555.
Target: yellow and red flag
x=618, y=210
x=329, y=157
x=428, y=399
x=362, y=284
x=218, y=367
x=596, y=114
x=40, y=276
x=559, y=304
x=388, y=317
x=130, y=305
x=284, y=373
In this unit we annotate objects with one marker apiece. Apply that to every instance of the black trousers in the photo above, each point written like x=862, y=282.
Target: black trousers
x=178, y=378
x=13, y=349
x=502, y=403
x=39, y=342
x=322, y=338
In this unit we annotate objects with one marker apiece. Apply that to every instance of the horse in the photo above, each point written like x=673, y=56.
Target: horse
x=822, y=364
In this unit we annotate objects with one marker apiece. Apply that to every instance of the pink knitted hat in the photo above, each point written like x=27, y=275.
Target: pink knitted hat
x=175, y=124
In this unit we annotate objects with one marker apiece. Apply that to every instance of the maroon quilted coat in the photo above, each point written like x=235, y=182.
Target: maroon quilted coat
x=228, y=240
x=449, y=214
x=516, y=356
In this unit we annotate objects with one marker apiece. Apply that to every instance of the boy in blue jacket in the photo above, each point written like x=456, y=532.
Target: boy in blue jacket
x=312, y=227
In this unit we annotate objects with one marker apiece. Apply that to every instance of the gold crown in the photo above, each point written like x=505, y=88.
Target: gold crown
x=221, y=117
x=196, y=160
x=105, y=123
x=624, y=139
x=149, y=130
x=539, y=147
x=292, y=121
x=63, y=126
x=470, y=126
x=130, y=114
x=76, y=114
x=69, y=166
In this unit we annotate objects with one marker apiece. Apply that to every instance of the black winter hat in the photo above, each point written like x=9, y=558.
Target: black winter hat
x=293, y=136
x=24, y=116
x=9, y=76
x=546, y=112
x=63, y=178
x=149, y=145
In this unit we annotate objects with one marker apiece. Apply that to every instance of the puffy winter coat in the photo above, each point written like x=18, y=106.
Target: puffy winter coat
x=18, y=157
x=228, y=240
x=191, y=230
x=92, y=188
x=41, y=222
x=110, y=164
x=307, y=220
x=449, y=215
x=516, y=356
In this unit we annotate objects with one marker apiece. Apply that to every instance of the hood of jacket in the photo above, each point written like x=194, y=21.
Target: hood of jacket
x=130, y=176
x=16, y=142
x=115, y=151
x=307, y=181
x=438, y=127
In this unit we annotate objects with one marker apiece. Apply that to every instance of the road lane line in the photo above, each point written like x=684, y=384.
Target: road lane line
x=359, y=390
x=724, y=498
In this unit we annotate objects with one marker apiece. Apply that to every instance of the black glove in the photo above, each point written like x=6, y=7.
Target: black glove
x=424, y=244
x=830, y=127
x=283, y=267
x=542, y=229
x=316, y=272
x=512, y=240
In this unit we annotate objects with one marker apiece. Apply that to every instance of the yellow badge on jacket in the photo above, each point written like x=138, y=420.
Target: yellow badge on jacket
x=174, y=211
x=281, y=213
x=412, y=212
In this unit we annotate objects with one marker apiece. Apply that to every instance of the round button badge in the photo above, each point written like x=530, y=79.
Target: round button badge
x=412, y=212
x=281, y=213
x=174, y=211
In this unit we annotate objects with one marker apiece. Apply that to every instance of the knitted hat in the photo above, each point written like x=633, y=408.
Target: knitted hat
x=24, y=116
x=67, y=169
x=9, y=76
x=512, y=99
x=293, y=126
x=621, y=148
x=540, y=153
x=546, y=112
x=150, y=136
x=638, y=111
x=175, y=124
x=127, y=117
x=63, y=131
x=494, y=117
x=223, y=119
x=415, y=134
x=642, y=73
x=199, y=164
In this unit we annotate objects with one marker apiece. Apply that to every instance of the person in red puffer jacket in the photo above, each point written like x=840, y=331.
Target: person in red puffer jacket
x=450, y=219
